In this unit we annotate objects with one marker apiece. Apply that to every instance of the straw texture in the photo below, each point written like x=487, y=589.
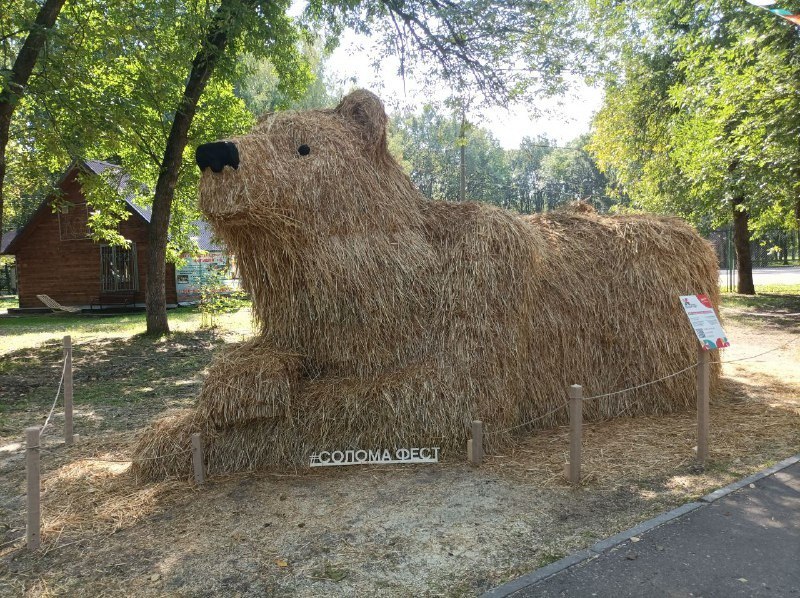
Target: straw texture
x=388, y=320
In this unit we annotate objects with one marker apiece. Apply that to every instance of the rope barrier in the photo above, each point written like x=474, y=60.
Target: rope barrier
x=551, y=412
x=48, y=452
x=778, y=348
x=624, y=390
x=609, y=394
x=58, y=392
x=523, y=424
x=637, y=387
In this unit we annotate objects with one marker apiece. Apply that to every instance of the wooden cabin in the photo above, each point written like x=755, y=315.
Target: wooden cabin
x=56, y=257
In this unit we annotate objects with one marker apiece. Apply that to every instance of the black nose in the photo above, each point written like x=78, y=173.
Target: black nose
x=217, y=155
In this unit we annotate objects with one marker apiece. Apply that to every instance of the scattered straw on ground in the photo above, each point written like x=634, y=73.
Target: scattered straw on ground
x=649, y=447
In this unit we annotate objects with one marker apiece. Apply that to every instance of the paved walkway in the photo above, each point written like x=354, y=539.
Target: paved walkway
x=743, y=540
x=776, y=275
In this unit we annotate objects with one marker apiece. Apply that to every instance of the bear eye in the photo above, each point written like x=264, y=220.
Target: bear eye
x=304, y=150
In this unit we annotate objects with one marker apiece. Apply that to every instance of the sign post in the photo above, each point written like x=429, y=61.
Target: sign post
x=702, y=405
x=711, y=336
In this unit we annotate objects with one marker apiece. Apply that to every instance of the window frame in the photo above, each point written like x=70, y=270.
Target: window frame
x=117, y=253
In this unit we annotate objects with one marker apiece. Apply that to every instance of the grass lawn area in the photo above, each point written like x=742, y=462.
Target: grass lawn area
x=784, y=297
x=7, y=301
x=115, y=363
x=28, y=331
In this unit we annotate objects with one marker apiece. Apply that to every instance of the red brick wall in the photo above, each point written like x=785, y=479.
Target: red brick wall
x=69, y=270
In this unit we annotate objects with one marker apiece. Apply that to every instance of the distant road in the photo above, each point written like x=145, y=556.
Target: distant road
x=777, y=275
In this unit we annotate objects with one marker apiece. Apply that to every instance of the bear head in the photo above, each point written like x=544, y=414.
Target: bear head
x=306, y=174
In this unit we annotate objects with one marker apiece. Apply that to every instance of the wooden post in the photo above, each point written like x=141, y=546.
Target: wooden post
x=475, y=446
x=575, y=432
x=34, y=514
x=703, y=381
x=198, y=461
x=68, y=390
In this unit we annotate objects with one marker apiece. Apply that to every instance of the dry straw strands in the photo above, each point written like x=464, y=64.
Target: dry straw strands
x=389, y=320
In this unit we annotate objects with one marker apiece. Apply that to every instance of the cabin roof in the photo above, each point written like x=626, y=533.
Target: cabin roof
x=127, y=189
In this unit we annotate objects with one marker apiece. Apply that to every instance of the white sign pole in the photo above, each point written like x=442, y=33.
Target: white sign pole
x=709, y=332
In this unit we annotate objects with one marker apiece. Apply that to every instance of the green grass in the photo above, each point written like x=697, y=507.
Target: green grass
x=8, y=301
x=120, y=374
x=783, y=297
x=33, y=330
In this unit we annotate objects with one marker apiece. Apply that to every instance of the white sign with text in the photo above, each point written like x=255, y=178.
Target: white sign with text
x=375, y=457
x=704, y=320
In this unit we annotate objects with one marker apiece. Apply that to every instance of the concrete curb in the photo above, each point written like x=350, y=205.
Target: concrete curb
x=717, y=494
x=543, y=573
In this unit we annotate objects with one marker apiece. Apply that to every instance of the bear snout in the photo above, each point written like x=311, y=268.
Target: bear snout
x=217, y=155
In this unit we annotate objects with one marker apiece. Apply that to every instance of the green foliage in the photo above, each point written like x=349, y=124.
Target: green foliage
x=217, y=298
x=536, y=177
x=115, y=93
x=110, y=84
x=499, y=50
x=258, y=84
x=702, y=106
x=429, y=145
x=114, y=71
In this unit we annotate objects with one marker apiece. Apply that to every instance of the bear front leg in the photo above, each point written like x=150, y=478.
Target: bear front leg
x=249, y=382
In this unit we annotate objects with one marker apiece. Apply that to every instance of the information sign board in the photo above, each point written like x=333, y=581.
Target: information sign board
x=704, y=320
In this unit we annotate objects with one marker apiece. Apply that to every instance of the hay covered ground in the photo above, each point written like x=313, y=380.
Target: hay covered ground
x=446, y=530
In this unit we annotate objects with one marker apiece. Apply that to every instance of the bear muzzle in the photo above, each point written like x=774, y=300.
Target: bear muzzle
x=217, y=155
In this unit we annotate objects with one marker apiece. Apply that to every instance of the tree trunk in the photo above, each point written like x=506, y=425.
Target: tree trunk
x=11, y=94
x=741, y=241
x=202, y=67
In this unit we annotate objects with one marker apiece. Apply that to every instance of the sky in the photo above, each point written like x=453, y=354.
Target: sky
x=562, y=118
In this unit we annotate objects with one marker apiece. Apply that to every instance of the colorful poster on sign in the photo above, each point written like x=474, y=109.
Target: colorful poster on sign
x=704, y=320
x=198, y=270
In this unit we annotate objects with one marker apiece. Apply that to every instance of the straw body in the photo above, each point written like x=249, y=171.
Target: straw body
x=388, y=320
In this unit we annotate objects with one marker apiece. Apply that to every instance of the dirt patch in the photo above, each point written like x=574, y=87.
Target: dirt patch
x=443, y=530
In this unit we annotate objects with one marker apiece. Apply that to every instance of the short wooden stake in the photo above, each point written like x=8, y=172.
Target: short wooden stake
x=34, y=514
x=68, y=390
x=475, y=446
x=703, y=382
x=575, y=432
x=198, y=459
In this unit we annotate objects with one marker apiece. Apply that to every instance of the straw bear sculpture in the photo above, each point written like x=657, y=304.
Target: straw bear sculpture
x=389, y=320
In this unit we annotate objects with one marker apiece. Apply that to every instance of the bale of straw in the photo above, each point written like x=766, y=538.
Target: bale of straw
x=386, y=319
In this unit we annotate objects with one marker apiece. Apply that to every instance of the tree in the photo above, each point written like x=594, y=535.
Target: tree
x=124, y=92
x=502, y=48
x=13, y=83
x=572, y=174
x=224, y=28
x=440, y=158
x=701, y=118
x=527, y=183
x=259, y=84
x=447, y=160
x=497, y=50
x=128, y=105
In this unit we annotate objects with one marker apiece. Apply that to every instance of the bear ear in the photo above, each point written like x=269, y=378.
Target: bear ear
x=365, y=110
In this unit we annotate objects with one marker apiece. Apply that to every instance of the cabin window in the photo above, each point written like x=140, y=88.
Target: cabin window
x=73, y=221
x=118, y=268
